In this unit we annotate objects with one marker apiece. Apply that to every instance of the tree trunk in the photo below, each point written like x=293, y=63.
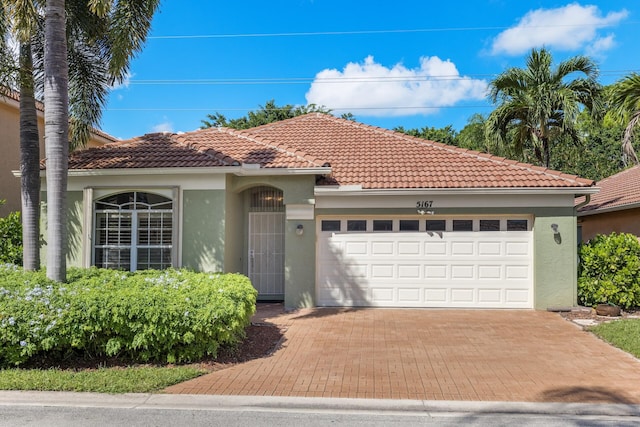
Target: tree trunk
x=56, y=131
x=29, y=163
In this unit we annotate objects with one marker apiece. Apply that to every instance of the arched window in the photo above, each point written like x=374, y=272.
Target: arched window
x=133, y=231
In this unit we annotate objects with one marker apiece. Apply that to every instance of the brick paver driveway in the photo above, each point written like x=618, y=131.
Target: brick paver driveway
x=432, y=355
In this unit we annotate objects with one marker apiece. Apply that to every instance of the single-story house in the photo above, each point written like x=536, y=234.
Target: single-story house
x=615, y=208
x=10, y=147
x=321, y=211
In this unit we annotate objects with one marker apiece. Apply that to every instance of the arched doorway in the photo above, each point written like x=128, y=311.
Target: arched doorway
x=266, y=242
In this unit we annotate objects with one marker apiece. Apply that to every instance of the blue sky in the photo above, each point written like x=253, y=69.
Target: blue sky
x=405, y=63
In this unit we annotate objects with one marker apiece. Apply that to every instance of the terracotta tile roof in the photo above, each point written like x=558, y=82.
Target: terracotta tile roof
x=202, y=148
x=358, y=154
x=379, y=158
x=616, y=191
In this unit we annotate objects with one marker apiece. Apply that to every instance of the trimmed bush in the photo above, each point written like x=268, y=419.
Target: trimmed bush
x=170, y=316
x=11, y=239
x=610, y=271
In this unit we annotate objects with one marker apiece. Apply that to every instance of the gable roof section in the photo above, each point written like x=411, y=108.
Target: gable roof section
x=203, y=148
x=619, y=191
x=377, y=158
x=358, y=154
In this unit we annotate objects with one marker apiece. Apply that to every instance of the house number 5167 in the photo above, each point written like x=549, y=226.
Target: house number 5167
x=424, y=204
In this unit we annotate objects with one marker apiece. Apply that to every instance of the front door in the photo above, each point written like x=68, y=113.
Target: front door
x=266, y=253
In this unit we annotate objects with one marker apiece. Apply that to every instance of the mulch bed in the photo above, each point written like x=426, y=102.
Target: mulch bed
x=261, y=341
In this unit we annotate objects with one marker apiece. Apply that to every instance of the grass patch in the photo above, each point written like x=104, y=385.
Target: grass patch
x=144, y=379
x=624, y=334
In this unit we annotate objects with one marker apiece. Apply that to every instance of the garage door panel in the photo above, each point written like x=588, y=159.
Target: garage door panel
x=409, y=271
x=436, y=271
x=409, y=248
x=381, y=248
x=490, y=272
x=462, y=248
x=435, y=248
x=489, y=248
x=382, y=271
x=356, y=248
x=446, y=269
x=462, y=271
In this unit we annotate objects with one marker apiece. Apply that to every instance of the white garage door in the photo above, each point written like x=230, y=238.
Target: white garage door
x=466, y=263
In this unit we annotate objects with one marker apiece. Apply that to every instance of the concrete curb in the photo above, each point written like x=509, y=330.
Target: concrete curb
x=304, y=404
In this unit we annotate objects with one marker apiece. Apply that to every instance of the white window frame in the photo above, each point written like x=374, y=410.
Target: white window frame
x=95, y=194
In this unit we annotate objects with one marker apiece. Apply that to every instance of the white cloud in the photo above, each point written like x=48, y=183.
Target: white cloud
x=124, y=83
x=163, y=127
x=371, y=89
x=571, y=27
x=600, y=45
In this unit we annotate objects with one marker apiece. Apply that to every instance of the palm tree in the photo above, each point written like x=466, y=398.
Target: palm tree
x=19, y=20
x=102, y=39
x=112, y=32
x=625, y=99
x=538, y=106
x=56, y=135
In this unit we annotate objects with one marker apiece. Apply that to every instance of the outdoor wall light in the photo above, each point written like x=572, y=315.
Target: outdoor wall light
x=300, y=230
x=556, y=234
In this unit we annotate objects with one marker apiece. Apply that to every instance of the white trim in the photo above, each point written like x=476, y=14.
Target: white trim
x=188, y=182
x=445, y=201
x=300, y=212
x=351, y=191
x=282, y=171
x=244, y=170
x=87, y=227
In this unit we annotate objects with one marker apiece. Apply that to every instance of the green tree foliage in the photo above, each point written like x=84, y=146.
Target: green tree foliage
x=267, y=113
x=473, y=137
x=446, y=135
x=538, y=106
x=625, y=100
x=599, y=155
x=11, y=239
x=610, y=271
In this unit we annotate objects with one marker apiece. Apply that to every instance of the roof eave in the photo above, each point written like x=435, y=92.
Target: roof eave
x=241, y=170
x=608, y=210
x=354, y=190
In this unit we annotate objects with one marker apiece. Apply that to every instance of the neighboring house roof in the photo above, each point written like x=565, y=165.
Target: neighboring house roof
x=14, y=96
x=617, y=192
x=358, y=154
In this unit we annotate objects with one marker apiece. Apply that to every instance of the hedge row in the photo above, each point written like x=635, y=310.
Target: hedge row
x=171, y=315
x=610, y=271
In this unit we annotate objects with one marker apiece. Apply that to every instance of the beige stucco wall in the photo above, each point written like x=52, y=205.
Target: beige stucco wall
x=624, y=221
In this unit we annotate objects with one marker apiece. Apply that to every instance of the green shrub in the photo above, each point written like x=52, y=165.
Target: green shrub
x=610, y=271
x=171, y=315
x=11, y=239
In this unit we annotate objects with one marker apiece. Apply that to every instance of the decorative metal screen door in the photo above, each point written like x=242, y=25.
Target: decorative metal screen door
x=266, y=253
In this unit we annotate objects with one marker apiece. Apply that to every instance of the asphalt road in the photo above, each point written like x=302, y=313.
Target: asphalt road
x=73, y=416
x=93, y=409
